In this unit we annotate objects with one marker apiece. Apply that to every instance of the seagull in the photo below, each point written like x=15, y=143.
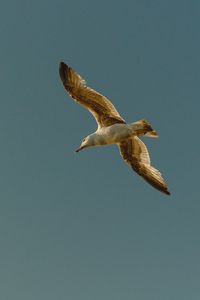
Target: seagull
x=112, y=128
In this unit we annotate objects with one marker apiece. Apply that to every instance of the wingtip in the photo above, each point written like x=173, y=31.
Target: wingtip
x=63, y=71
x=165, y=191
x=61, y=65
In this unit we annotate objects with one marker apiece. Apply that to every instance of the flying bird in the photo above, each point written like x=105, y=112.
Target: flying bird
x=112, y=128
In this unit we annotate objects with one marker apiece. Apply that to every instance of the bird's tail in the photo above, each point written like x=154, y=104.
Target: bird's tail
x=142, y=127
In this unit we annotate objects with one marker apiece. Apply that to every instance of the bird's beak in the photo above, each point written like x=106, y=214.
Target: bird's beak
x=79, y=149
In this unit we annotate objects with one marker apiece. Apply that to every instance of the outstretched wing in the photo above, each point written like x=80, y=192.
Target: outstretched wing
x=101, y=108
x=135, y=153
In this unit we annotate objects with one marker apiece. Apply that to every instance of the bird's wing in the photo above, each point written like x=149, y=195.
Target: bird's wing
x=135, y=153
x=101, y=108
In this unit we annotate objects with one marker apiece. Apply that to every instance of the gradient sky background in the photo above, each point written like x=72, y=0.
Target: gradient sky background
x=84, y=226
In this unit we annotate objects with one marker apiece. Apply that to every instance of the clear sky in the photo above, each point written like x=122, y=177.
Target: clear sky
x=85, y=226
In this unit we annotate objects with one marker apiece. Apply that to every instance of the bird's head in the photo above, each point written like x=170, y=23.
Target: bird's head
x=86, y=142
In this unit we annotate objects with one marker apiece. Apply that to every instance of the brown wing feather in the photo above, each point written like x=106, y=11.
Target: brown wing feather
x=101, y=108
x=135, y=153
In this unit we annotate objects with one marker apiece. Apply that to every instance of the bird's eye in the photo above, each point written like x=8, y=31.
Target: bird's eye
x=83, y=140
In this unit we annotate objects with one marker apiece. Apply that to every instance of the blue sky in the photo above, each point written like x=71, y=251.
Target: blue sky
x=85, y=226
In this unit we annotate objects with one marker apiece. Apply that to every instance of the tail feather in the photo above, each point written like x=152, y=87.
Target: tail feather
x=142, y=127
x=152, y=134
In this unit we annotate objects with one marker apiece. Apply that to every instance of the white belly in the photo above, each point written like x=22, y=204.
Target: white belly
x=114, y=134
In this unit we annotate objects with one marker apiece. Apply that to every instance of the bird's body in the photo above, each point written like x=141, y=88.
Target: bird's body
x=112, y=129
x=116, y=133
x=113, y=134
x=110, y=135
